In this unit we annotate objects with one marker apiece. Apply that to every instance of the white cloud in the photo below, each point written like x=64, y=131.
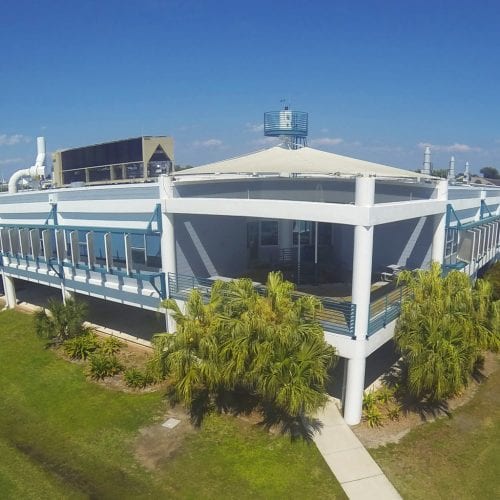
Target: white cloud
x=9, y=161
x=450, y=148
x=208, y=143
x=266, y=141
x=255, y=127
x=326, y=141
x=11, y=140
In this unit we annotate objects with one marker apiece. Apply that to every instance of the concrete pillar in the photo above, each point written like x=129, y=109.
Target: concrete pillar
x=285, y=233
x=10, y=291
x=439, y=236
x=361, y=287
x=168, y=259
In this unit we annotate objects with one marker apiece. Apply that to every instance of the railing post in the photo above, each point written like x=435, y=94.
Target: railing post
x=385, y=311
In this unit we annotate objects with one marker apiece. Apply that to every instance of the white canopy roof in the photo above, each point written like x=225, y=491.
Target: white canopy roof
x=304, y=160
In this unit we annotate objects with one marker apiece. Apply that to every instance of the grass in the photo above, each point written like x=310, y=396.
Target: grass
x=62, y=436
x=455, y=458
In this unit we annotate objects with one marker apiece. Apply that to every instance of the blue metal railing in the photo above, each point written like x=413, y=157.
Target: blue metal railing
x=386, y=309
x=155, y=278
x=336, y=316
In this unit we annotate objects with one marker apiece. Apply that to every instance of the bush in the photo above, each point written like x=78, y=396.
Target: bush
x=81, y=347
x=373, y=416
x=137, y=379
x=492, y=275
x=245, y=348
x=60, y=322
x=111, y=345
x=103, y=365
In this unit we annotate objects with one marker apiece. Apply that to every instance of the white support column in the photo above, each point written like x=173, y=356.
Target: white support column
x=439, y=236
x=168, y=260
x=66, y=294
x=10, y=291
x=361, y=287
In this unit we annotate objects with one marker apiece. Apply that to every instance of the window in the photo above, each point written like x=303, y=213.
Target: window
x=324, y=234
x=306, y=231
x=269, y=232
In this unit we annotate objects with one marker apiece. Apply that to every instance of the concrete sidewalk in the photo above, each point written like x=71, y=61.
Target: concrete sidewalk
x=357, y=472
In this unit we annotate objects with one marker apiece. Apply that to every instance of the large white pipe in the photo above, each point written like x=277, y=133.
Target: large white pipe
x=37, y=170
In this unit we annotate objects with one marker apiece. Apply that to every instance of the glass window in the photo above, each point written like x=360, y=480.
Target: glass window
x=306, y=230
x=269, y=232
x=324, y=234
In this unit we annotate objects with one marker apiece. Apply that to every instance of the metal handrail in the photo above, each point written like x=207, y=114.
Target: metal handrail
x=386, y=309
x=336, y=316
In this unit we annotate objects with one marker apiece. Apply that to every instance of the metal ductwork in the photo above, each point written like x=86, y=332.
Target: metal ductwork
x=37, y=170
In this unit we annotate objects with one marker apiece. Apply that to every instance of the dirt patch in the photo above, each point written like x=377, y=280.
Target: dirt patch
x=394, y=431
x=156, y=444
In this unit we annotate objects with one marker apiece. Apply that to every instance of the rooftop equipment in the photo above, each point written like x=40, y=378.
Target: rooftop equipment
x=467, y=173
x=427, y=161
x=290, y=126
x=451, y=169
x=37, y=170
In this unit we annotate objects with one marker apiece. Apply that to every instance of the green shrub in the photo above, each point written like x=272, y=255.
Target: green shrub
x=111, y=345
x=492, y=275
x=103, y=365
x=373, y=416
x=137, y=379
x=60, y=322
x=81, y=347
x=394, y=411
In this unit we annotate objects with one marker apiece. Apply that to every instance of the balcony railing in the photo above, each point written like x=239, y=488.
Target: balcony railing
x=386, y=309
x=336, y=316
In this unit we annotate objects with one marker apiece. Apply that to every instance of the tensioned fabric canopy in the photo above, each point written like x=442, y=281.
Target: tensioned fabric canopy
x=306, y=160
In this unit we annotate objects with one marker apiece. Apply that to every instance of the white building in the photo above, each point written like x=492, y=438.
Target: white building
x=331, y=223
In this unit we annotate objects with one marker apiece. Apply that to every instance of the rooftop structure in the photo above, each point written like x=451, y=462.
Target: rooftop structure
x=138, y=159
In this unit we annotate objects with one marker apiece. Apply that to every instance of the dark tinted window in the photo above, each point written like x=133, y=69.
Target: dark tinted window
x=129, y=150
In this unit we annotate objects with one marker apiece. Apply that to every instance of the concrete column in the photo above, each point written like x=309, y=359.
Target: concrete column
x=168, y=258
x=439, y=237
x=285, y=233
x=361, y=287
x=10, y=291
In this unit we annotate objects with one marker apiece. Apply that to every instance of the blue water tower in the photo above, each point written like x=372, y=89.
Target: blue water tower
x=290, y=126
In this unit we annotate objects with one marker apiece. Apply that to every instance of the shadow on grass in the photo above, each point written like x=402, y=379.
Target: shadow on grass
x=426, y=409
x=239, y=402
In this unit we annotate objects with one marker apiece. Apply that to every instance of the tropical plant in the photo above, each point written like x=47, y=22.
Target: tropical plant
x=111, y=345
x=492, y=275
x=373, y=416
x=103, y=365
x=266, y=348
x=81, y=347
x=442, y=331
x=60, y=322
x=137, y=379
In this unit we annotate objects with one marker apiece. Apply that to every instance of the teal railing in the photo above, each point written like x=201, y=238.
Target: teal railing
x=336, y=316
x=386, y=309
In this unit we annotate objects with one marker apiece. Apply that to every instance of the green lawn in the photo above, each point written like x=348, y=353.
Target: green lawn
x=64, y=437
x=451, y=458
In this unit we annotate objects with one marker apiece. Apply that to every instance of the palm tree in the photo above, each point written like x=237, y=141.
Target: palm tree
x=442, y=331
x=59, y=322
x=269, y=347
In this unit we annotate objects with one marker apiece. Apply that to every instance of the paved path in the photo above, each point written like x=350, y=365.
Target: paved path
x=357, y=472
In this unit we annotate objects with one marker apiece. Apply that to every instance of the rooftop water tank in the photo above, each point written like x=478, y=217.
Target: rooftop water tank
x=290, y=126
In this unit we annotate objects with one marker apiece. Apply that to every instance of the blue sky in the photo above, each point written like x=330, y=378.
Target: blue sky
x=379, y=78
